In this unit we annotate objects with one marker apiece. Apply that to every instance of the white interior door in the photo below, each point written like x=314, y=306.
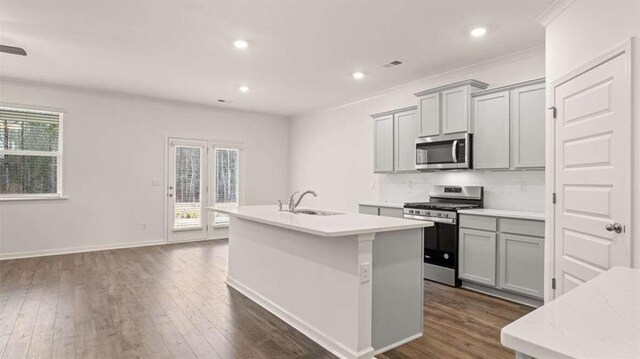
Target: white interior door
x=592, y=173
x=186, y=191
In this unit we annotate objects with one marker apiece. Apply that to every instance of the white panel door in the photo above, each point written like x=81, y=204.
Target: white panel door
x=592, y=173
x=406, y=131
x=187, y=178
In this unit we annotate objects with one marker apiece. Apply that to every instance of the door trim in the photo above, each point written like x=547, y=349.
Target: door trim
x=626, y=47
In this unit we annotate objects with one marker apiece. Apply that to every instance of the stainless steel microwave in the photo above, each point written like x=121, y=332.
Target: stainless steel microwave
x=444, y=152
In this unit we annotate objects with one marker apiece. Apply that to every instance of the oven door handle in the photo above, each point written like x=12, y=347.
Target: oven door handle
x=431, y=219
x=454, y=151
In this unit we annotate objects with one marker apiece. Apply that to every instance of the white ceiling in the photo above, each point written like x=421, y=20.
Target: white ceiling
x=301, y=53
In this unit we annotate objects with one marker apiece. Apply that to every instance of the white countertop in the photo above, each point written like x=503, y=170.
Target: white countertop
x=538, y=216
x=382, y=204
x=345, y=224
x=599, y=319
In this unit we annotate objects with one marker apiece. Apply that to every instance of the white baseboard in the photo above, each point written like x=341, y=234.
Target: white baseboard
x=397, y=344
x=336, y=348
x=101, y=247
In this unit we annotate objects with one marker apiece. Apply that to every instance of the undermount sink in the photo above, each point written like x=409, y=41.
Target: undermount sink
x=314, y=212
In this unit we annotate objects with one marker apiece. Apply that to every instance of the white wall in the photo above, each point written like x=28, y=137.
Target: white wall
x=332, y=150
x=585, y=30
x=113, y=147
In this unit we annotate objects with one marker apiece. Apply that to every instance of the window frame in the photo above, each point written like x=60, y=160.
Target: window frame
x=213, y=145
x=59, y=155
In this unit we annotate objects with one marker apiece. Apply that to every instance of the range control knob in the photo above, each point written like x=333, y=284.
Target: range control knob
x=410, y=211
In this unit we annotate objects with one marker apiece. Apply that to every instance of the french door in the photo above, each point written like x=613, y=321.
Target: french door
x=186, y=191
x=200, y=174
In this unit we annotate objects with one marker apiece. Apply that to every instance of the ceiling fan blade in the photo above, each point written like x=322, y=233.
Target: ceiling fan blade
x=13, y=50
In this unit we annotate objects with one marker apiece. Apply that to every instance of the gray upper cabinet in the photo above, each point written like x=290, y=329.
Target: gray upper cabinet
x=383, y=144
x=521, y=263
x=429, y=120
x=509, y=126
x=477, y=262
x=446, y=109
x=491, y=136
x=528, y=122
x=455, y=110
x=407, y=130
x=395, y=134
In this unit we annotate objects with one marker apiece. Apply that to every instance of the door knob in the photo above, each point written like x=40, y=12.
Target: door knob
x=615, y=227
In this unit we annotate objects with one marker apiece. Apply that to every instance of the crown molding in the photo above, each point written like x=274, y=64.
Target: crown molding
x=391, y=112
x=553, y=11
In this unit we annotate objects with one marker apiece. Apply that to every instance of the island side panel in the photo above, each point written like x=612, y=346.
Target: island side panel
x=311, y=282
x=397, y=288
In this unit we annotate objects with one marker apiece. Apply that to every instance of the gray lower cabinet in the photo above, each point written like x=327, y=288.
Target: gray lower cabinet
x=477, y=261
x=381, y=211
x=504, y=255
x=364, y=209
x=521, y=263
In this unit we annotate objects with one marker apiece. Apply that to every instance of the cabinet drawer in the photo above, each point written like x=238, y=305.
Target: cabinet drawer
x=368, y=210
x=391, y=212
x=478, y=222
x=522, y=226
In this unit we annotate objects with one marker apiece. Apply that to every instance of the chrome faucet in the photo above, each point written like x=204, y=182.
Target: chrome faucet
x=292, y=205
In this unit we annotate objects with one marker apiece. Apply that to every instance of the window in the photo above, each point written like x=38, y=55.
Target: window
x=227, y=181
x=30, y=153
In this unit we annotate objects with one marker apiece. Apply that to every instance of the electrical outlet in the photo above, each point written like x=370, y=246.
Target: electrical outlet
x=365, y=272
x=143, y=227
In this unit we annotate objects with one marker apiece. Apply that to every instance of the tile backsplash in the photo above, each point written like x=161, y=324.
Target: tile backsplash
x=516, y=190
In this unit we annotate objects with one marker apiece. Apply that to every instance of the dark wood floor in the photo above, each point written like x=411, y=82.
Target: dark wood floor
x=171, y=301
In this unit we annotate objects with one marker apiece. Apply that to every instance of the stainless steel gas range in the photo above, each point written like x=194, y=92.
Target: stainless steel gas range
x=441, y=240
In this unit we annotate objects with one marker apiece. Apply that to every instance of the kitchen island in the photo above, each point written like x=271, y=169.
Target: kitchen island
x=350, y=282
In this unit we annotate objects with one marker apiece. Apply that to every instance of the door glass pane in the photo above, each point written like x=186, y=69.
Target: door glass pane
x=188, y=187
x=227, y=180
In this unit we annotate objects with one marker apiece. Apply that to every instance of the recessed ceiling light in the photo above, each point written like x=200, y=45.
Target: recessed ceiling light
x=358, y=75
x=241, y=44
x=244, y=89
x=478, y=31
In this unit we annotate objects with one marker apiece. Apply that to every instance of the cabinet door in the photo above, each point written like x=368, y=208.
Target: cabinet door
x=491, y=131
x=528, y=122
x=521, y=262
x=477, y=262
x=383, y=144
x=455, y=110
x=407, y=129
x=391, y=212
x=363, y=209
x=429, y=109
